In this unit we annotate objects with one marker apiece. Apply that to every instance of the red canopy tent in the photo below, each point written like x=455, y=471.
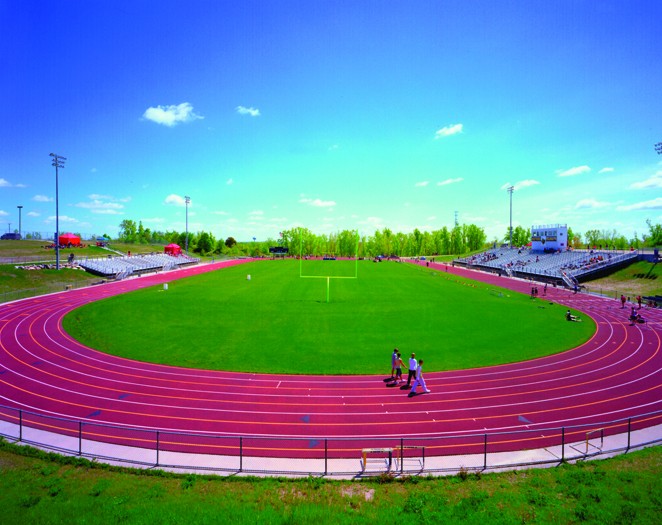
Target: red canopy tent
x=69, y=238
x=172, y=249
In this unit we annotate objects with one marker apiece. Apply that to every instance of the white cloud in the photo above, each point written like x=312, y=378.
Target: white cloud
x=577, y=170
x=590, y=204
x=4, y=183
x=255, y=214
x=63, y=218
x=220, y=213
x=655, y=204
x=521, y=184
x=33, y=214
x=171, y=115
x=42, y=198
x=606, y=170
x=176, y=200
x=229, y=182
x=422, y=184
x=103, y=204
x=318, y=203
x=3, y=213
x=654, y=181
x=447, y=131
x=449, y=181
x=525, y=184
x=253, y=112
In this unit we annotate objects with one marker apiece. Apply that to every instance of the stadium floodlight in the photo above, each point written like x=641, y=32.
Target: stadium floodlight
x=510, y=190
x=58, y=162
x=658, y=148
x=187, y=201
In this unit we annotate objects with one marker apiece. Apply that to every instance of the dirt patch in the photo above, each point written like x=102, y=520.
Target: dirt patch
x=354, y=490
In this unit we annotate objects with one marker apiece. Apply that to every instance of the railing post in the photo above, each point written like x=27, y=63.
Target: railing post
x=402, y=455
x=80, y=438
x=241, y=453
x=485, y=453
x=158, y=446
x=326, y=456
x=629, y=431
x=563, y=444
x=20, y=425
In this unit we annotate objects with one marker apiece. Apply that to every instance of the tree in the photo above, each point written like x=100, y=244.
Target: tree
x=230, y=242
x=128, y=231
x=205, y=243
x=655, y=237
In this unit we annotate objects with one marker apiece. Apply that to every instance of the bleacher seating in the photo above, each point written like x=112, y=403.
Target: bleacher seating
x=121, y=267
x=566, y=267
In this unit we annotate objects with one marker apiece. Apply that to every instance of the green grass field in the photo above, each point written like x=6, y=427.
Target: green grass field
x=279, y=322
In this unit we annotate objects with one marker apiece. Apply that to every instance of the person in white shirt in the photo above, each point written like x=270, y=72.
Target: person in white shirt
x=419, y=380
x=412, y=369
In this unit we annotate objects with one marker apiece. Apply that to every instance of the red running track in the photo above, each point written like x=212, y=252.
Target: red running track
x=615, y=375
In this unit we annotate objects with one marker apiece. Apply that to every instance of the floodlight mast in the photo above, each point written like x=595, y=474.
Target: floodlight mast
x=58, y=162
x=510, y=190
x=187, y=201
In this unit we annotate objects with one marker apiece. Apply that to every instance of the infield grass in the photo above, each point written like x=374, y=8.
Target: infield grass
x=279, y=322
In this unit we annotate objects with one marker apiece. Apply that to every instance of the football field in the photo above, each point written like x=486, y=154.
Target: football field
x=277, y=321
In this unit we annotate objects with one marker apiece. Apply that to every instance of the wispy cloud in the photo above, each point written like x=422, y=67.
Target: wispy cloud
x=4, y=183
x=34, y=214
x=63, y=218
x=655, y=204
x=42, y=198
x=571, y=172
x=229, y=182
x=654, y=181
x=606, y=170
x=103, y=204
x=449, y=181
x=590, y=204
x=175, y=200
x=447, y=131
x=521, y=184
x=318, y=203
x=422, y=184
x=243, y=110
x=171, y=115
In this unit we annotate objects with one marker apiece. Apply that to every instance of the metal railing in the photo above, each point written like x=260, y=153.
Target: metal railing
x=328, y=456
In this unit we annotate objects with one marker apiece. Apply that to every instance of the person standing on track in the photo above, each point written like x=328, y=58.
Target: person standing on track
x=419, y=380
x=394, y=358
x=398, y=368
x=412, y=369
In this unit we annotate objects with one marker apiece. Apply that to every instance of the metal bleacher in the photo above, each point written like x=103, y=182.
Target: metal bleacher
x=564, y=267
x=121, y=267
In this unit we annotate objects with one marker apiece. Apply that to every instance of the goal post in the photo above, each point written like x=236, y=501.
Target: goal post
x=324, y=264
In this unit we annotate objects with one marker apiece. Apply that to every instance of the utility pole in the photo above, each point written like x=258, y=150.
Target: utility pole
x=19, y=221
x=510, y=190
x=58, y=162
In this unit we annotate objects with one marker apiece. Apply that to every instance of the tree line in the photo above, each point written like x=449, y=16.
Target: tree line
x=346, y=243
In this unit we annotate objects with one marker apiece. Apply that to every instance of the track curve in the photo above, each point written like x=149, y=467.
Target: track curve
x=616, y=374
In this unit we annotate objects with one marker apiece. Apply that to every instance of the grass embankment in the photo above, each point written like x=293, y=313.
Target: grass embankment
x=278, y=322
x=48, y=489
x=640, y=278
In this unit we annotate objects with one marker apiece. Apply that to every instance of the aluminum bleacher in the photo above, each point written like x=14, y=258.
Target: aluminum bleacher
x=563, y=267
x=120, y=267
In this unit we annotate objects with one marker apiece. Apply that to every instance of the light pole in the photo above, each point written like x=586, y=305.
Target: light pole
x=510, y=190
x=19, y=221
x=58, y=162
x=187, y=200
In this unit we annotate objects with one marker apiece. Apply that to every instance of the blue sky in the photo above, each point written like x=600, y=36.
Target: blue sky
x=331, y=114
